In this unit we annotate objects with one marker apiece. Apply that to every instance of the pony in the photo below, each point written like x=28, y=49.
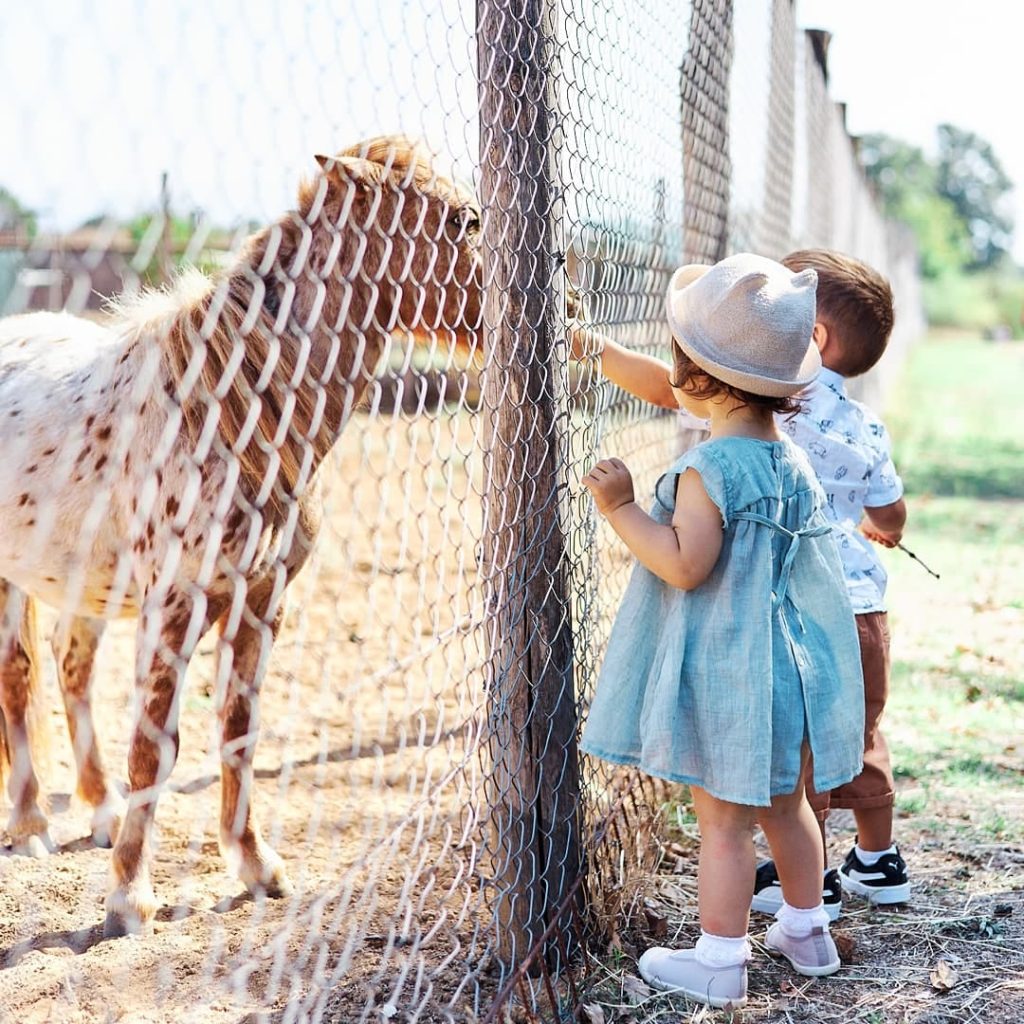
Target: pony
x=163, y=465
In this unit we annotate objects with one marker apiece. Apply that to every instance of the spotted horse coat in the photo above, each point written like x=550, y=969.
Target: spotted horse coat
x=163, y=465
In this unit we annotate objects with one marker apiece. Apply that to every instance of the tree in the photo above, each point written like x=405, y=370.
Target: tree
x=970, y=176
x=907, y=184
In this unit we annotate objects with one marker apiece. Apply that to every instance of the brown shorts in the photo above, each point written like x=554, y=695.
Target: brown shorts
x=874, y=786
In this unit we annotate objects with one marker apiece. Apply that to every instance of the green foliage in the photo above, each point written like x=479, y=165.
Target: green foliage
x=942, y=237
x=956, y=204
x=14, y=215
x=179, y=229
x=970, y=176
x=990, y=302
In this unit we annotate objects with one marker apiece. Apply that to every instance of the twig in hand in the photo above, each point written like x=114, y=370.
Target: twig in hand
x=907, y=551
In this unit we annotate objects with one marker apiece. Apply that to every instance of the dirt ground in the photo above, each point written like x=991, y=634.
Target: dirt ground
x=366, y=766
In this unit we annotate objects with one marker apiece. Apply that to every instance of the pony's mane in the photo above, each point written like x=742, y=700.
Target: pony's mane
x=216, y=343
x=152, y=310
x=404, y=158
x=403, y=162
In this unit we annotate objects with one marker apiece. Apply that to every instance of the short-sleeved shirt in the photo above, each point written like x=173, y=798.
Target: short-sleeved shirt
x=850, y=451
x=720, y=686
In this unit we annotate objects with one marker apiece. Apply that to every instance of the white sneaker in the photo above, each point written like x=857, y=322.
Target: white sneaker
x=678, y=970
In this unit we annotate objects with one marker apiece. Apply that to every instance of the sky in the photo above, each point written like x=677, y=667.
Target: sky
x=903, y=67
x=234, y=97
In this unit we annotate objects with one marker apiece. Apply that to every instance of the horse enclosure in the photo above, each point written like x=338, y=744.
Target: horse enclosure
x=301, y=512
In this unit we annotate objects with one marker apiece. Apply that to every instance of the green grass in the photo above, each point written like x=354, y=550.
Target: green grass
x=957, y=419
x=955, y=718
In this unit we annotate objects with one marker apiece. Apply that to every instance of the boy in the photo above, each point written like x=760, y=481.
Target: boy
x=848, y=448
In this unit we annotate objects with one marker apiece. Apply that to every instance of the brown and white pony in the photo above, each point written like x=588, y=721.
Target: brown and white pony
x=163, y=465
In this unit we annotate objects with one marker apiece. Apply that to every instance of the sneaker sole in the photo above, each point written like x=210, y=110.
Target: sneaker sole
x=805, y=969
x=767, y=905
x=876, y=894
x=714, y=1002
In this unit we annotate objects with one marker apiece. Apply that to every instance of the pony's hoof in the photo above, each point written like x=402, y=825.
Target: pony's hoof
x=275, y=884
x=279, y=886
x=116, y=926
x=260, y=869
x=36, y=846
x=130, y=910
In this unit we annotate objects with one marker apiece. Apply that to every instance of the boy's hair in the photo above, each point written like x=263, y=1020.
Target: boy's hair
x=854, y=303
x=689, y=377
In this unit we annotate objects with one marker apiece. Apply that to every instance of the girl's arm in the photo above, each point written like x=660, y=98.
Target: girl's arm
x=642, y=375
x=683, y=553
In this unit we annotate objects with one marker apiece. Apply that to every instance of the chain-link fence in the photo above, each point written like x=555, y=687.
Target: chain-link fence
x=301, y=512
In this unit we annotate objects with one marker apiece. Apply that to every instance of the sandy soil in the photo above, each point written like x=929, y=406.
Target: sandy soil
x=365, y=768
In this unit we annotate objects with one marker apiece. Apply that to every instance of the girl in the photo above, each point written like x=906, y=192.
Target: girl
x=734, y=657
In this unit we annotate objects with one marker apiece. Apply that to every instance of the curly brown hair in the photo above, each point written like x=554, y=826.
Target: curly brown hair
x=689, y=377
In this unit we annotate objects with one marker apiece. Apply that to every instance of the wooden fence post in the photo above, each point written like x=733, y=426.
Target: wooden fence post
x=534, y=775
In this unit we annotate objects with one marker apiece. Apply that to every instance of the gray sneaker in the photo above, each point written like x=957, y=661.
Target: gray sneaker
x=814, y=955
x=678, y=970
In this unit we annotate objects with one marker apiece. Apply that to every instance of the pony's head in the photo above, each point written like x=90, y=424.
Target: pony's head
x=418, y=235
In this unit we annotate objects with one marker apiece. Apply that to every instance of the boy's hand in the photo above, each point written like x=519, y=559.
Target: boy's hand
x=887, y=538
x=884, y=523
x=611, y=484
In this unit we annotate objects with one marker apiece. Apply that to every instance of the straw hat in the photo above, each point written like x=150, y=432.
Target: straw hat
x=747, y=321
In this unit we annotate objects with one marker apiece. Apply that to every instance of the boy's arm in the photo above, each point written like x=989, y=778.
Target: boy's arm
x=884, y=510
x=884, y=524
x=640, y=374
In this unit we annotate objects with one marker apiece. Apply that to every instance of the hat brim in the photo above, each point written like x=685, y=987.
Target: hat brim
x=772, y=387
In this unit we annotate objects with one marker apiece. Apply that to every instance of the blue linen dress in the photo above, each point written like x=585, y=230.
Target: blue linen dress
x=720, y=686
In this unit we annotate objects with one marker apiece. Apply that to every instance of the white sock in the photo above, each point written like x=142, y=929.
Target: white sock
x=869, y=857
x=721, y=950
x=798, y=922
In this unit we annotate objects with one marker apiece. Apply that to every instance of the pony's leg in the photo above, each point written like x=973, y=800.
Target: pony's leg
x=74, y=646
x=19, y=684
x=242, y=656
x=165, y=644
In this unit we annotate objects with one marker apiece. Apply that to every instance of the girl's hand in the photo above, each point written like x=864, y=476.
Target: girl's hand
x=585, y=343
x=611, y=484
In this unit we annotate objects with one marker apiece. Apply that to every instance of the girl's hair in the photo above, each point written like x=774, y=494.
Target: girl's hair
x=689, y=377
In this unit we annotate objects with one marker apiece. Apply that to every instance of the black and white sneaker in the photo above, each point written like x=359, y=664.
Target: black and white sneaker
x=768, y=891
x=885, y=881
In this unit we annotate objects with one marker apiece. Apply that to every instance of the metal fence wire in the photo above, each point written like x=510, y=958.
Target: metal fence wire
x=290, y=459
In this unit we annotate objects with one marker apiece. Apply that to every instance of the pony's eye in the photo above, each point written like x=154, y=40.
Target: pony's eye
x=465, y=220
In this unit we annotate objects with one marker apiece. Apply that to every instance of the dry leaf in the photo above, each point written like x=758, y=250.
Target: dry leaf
x=943, y=977
x=657, y=924
x=787, y=988
x=846, y=945
x=636, y=991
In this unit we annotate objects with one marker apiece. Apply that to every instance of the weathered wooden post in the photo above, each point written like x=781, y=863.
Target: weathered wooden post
x=534, y=776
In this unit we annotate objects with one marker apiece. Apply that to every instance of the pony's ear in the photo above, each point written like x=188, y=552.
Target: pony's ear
x=351, y=169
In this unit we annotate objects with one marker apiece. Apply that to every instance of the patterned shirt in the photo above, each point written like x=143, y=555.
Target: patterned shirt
x=849, y=448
